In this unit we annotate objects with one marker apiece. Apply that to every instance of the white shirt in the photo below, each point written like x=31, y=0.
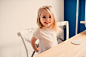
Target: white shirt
x=47, y=38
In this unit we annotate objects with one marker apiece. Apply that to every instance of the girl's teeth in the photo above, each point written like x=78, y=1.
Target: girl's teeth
x=47, y=22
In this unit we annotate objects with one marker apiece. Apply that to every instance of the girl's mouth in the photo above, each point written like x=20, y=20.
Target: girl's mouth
x=46, y=22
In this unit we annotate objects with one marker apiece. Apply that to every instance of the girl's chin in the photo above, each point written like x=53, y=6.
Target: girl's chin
x=47, y=26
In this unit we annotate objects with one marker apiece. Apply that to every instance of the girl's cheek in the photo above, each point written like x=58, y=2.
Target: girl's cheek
x=43, y=19
x=50, y=20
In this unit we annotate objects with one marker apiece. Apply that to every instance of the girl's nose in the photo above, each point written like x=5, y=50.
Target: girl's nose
x=47, y=19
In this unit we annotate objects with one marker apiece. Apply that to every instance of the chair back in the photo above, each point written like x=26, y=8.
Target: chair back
x=63, y=24
x=26, y=36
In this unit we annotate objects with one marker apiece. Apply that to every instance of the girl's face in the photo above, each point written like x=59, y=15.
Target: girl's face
x=45, y=18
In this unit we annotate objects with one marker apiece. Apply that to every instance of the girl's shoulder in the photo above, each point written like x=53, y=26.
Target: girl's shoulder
x=59, y=30
x=36, y=33
x=37, y=29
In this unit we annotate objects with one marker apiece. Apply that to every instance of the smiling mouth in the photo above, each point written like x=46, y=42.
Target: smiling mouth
x=46, y=22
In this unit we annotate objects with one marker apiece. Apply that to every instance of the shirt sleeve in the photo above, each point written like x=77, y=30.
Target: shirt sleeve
x=36, y=34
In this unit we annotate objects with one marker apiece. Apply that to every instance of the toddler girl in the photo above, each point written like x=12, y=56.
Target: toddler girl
x=47, y=31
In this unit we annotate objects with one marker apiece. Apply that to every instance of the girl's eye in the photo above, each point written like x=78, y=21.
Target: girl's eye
x=44, y=17
x=49, y=16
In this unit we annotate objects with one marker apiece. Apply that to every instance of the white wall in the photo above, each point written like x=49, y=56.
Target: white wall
x=17, y=15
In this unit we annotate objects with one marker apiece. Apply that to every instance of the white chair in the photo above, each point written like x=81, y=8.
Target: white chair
x=27, y=34
x=63, y=24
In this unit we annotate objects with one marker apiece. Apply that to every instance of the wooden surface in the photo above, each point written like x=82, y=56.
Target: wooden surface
x=67, y=49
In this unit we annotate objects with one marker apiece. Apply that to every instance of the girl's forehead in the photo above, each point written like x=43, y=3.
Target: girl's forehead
x=45, y=12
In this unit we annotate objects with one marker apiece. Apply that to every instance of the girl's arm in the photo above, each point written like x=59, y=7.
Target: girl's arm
x=59, y=30
x=33, y=40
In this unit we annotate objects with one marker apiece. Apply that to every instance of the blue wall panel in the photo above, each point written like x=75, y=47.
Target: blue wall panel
x=81, y=15
x=70, y=15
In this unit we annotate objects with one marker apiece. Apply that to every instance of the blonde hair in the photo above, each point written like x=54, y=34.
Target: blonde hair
x=51, y=11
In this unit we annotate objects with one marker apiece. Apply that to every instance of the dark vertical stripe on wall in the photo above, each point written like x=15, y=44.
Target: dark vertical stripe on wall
x=70, y=16
x=81, y=27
